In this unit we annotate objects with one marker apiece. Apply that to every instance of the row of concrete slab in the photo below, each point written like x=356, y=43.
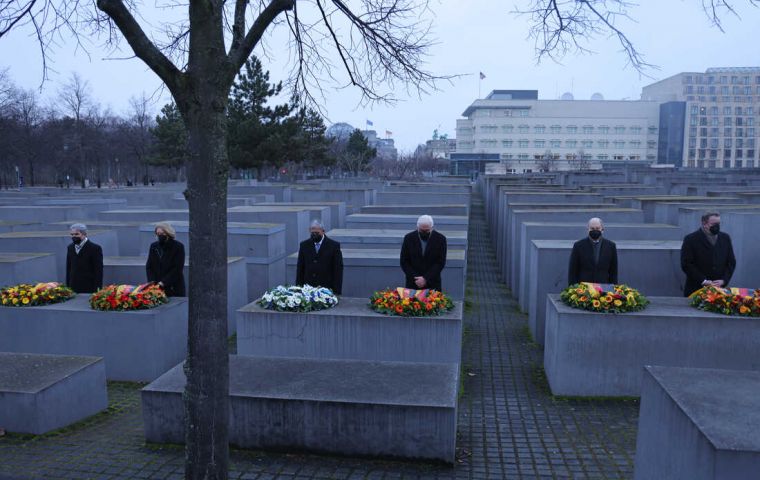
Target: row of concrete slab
x=697, y=372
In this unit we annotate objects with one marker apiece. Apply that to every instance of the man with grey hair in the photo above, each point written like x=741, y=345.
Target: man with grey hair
x=423, y=256
x=320, y=261
x=593, y=259
x=84, y=261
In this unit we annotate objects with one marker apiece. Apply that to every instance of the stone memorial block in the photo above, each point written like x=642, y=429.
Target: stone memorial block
x=131, y=271
x=137, y=346
x=19, y=226
x=127, y=234
x=90, y=206
x=337, y=211
x=347, y=407
x=744, y=229
x=700, y=424
x=530, y=231
x=417, y=210
x=281, y=192
x=354, y=198
x=668, y=212
x=597, y=354
x=421, y=198
x=651, y=267
x=404, y=222
x=41, y=393
x=295, y=219
x=40, y=213
x=33, y=268
x=648, y=204
x=378, y=239
x=571, y=214
x=690, y=218
x=350, y=330
x=145, y=215
x=366, y=271
x=55, y=242
x=427, y=187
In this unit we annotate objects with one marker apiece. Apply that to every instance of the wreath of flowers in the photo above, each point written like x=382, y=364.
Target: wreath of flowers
x=728, y=301
x=27, y=295
x=128, y=297
x=604, y=298
x=410, y=303
x=294, y=298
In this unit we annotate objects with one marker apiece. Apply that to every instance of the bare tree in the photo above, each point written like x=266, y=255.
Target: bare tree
x=29, y=116
x=139, y=124
x=75, y=101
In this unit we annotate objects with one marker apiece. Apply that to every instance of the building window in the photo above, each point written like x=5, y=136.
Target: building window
x=728, y=121
x=702, y=143
x=739, y=132
x=713, y=110
x=750, y=121
x=728, y=142
x=702, y=121
x=507, y=128
x=588, y=129
x=694, y=109
x=688, y=79
x=713, y=154
x=572, y=129
x=693, y=142
x=523, y=144
x=556, y=129
x=738, y=111
x=727, y=131
x=739, y=143
x=555, y=144
x=750, y=153
x=603, y=143
x=539, y=143
x=507, y=112
x=506, y=143
x=602, y=157
x=523, y=129
x=619, y=130
x=692, y=131
x=635, y=144
x=570, y=143
x=726, y=110
x=523, y=113
x=539, y=129
x=751, y=132
x=714, y=121
x=651, y=144
x=693, y=120
x=618, y=144
x=587, y=144
x=727, y=153
x=739, y=121
x=703, y=132
x=750, y=143
x=713, y=143
x=739, y=153
x=523, y=156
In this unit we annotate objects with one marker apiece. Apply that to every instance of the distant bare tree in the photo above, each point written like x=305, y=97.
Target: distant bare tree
x=139, y=124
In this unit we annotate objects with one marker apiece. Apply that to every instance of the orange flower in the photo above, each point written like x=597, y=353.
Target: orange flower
x=743, y=309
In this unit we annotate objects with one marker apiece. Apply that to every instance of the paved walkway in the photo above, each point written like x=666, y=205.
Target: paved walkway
x=509, y=424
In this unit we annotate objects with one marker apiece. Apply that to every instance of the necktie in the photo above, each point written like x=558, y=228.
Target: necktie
x=317, y=245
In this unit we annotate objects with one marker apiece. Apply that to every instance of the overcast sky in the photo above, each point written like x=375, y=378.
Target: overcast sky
x=473, y=36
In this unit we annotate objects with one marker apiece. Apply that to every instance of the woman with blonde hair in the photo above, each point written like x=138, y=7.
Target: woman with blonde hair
x=166, y=261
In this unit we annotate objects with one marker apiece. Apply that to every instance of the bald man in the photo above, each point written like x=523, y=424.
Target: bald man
x=594, y=259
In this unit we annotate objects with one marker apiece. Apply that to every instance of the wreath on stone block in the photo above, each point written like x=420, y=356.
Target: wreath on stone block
x=128, y=297
x=728, y=301
x=604, y=298
x=28, y=295
x=294, y=298
x=407, y=302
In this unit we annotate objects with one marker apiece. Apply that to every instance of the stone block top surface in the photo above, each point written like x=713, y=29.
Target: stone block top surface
x=723, y=404
x=271, y=208
x=658, y=307
x=355, y=307
x=47, y=234
x=101, y=223
x=253, y=228
x=32, y=373
x=147, y=210
x=336, y=381
x=410, y=219
x=387, y=233
x=603, y=207
x=20, y=257
x=621, y=244
x=299, y=204
x=606, y=224
x=386, y=253
x=140, y=261
x=13, y=223
x=81, y=303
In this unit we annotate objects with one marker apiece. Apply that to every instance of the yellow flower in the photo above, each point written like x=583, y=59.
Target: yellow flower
x=25, y=301
x=15, y=301
x=618, y=303
x=596, y=303
x=5, y=301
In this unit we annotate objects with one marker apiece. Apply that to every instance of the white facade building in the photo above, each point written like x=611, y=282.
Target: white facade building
x=528, y=134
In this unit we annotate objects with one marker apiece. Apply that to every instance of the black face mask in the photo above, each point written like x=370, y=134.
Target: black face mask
x=316, y=238
x=76, y=240
x=595, y=234
x=162, y=239
x=425, y=235
x=715, y=229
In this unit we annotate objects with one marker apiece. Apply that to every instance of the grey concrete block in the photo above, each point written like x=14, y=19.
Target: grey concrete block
x=19, y=225
x=354, y=198
x=404, y=222
x=700, y=424
x=40, y=393
x=295, y=219
x=40, y=213
x=90, y=206
x=145, y=215
x=366, y=271
x=136, y=346
x=55, y=242
x=131, y=271
x=417, y=210
x=350, y=330
x=348, y=407
x=422, y=198
x=127, y=234
x=744, y=228
x=652, y=267
x=377, y=239
x=597, y=354
x=337, y=210
x=18, y=268
x=281, y=192
x=529, y=231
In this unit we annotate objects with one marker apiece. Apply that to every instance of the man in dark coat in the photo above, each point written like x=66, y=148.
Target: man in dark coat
x=166, y=261
x=320, y=261
x=707, y=256
x=84, y=262
x=593, y=259
x=423, y=256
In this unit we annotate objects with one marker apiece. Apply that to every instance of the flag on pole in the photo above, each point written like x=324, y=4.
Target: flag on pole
x=369, y=122
x=388, y=133
x=482, y=75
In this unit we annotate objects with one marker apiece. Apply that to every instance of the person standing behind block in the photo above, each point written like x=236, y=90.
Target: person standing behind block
x=423, y=256
x=166, y=261
x=594, y=259
x=84, y=262
x=707, y=256
x=320, y=261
